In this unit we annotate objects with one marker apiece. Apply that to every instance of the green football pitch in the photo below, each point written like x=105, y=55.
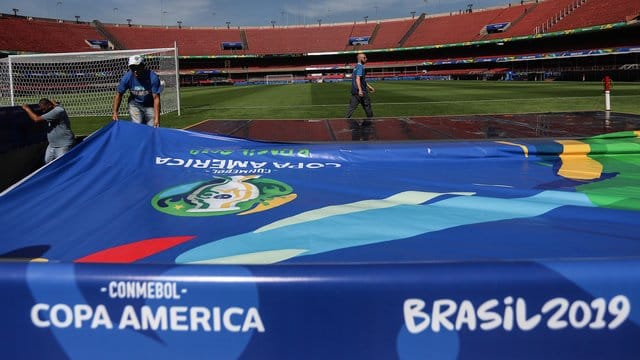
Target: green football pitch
x=391, y=99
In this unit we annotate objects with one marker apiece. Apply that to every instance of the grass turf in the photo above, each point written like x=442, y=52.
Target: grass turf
x=392, y=98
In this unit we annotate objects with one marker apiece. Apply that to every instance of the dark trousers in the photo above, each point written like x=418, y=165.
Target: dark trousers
x=364, y=101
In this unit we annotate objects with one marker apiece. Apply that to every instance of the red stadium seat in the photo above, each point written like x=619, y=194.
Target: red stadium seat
x=389, y=34
x=304, y=39
x=598, y=12
x=191, y=41
x=535, y=16
x=526, y=19
x=464, y=27
x=45, y=36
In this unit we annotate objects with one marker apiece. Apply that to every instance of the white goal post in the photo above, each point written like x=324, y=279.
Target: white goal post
x=278, y=79
x=84, y=82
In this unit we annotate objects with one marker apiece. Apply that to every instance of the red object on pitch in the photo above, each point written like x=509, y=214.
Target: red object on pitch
x=129, y=253
x=607, y=83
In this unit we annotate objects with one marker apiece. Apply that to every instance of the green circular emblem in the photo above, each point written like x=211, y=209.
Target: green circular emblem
x=223, y=195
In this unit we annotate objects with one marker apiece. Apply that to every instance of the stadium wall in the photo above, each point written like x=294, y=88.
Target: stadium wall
x=22, y=144
x=18, y=163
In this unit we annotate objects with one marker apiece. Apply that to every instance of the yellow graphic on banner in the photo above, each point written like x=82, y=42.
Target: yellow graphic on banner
x=575, y=162
x=525, y=149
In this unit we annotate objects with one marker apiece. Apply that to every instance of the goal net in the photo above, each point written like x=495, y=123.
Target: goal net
x=278, y=79
x=84, y=83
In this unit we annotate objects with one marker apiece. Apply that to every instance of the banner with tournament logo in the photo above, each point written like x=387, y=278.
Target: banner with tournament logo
x=174, y=244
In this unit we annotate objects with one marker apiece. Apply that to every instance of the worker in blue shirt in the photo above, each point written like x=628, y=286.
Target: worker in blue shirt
x=360, y=89
x=144, y=93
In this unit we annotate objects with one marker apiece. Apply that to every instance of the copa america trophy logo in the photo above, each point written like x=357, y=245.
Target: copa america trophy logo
x=224, y=195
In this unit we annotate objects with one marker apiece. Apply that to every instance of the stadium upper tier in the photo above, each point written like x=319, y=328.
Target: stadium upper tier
x=534, y=16
x=528, y=18
x=305, y=39
x=598, y=12
x=198, y=41
x=389, y=34
x=456, y=28
x=21, y=34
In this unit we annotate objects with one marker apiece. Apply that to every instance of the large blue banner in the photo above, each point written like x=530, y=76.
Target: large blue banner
x=226, y=248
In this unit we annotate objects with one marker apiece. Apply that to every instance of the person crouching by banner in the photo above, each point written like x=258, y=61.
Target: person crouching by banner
x=59, y=133
x=144, y=93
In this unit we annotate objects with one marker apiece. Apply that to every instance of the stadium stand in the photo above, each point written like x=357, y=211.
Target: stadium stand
x=304, y=39
x=362, y=29
x=528, y=18
x=536, y=15
x=191, y=41
x=389, y=34
x=456, y=28
x=204, y=61
x=45, y=36
x=597, y=12
x=525, y=19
